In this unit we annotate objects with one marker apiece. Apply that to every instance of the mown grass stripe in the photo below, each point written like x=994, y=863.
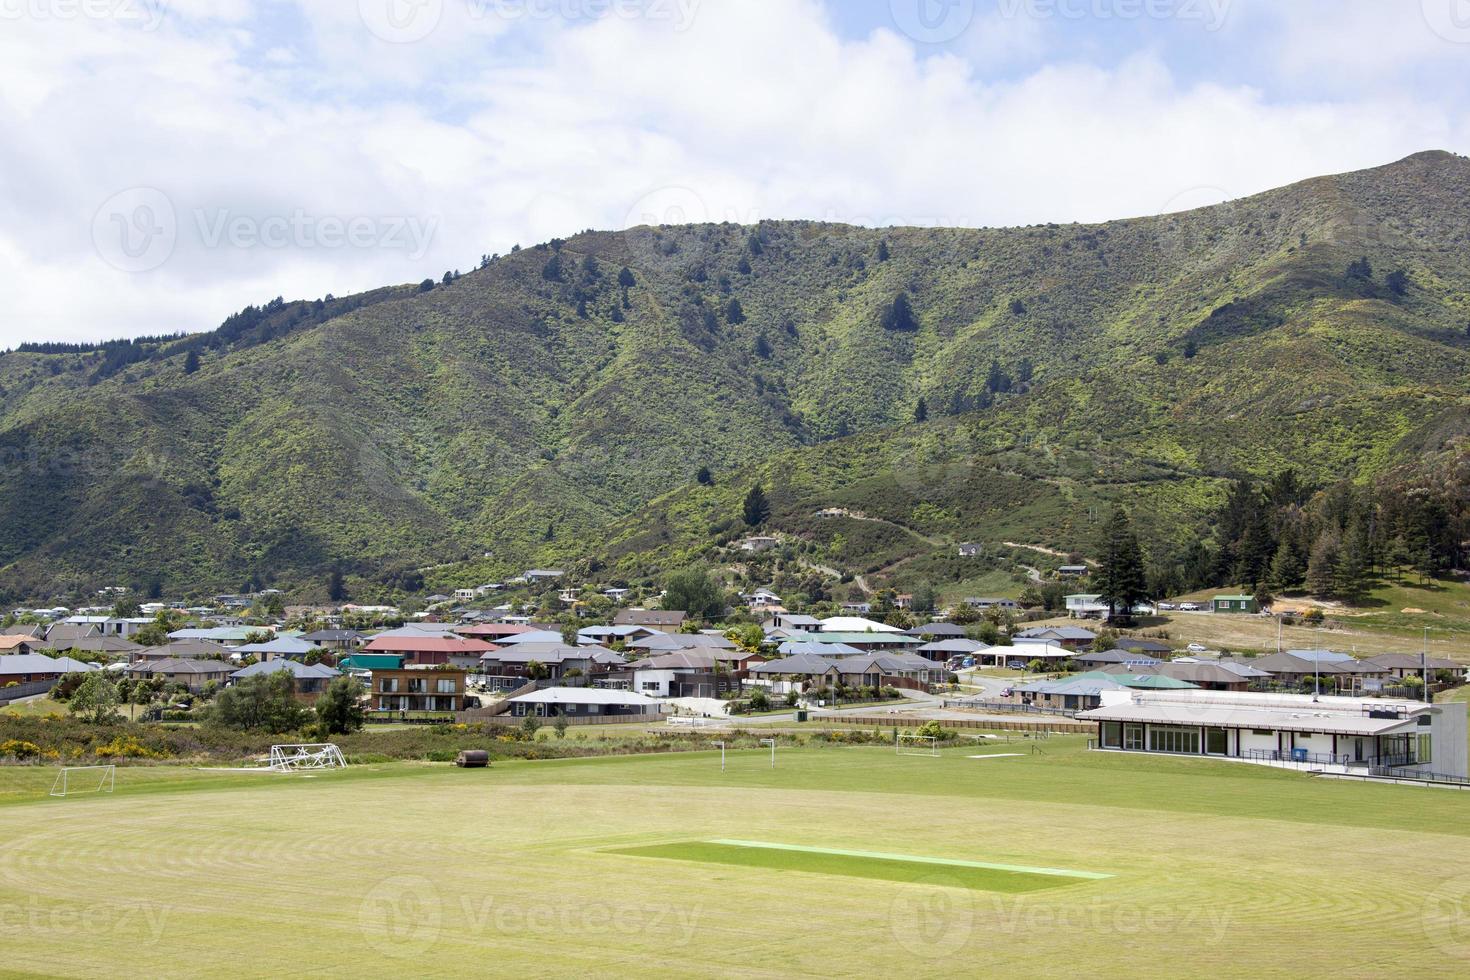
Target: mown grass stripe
x=913, y=859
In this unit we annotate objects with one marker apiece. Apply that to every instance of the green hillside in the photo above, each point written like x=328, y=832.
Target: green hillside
x=535, y=410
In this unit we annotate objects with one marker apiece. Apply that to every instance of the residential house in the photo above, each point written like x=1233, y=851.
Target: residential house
x=535, y=576
x=940, y=651
x=1138, y=644
x=492, y=632
x=1235, y=604
x=1209, y=675
x=937, y=630
x=971, y=550
x=99, y=646
x=686, y=674
x=1335, y=671
x=761, y=599
x=857, y=608
x=282, y=647
x=1330, y=733
x=666, y=642
x=663, y=619
x=19, y=644
x=856, y=624
x=30, y=668
x=1401, y=665
x=759, y=543
x=791, y=621
x=418, y=689
x=1073, y=571
x=509, y=667
x=335, y=639
x=603, y=635
x=193, y=674
x=183, y=650
x=1108, y=658
x=586, y=702
x=1070, y=637
x=425, y=649
x=991, y=603
x=797, y=648
x=308, y=681
x=65, y=632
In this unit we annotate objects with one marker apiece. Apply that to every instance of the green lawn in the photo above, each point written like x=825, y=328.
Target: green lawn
x=1215, y=869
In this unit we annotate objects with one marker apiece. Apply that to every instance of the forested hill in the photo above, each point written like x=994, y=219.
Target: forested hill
x=556, y=404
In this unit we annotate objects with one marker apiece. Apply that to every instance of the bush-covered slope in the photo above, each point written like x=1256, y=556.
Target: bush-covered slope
x=540, y=409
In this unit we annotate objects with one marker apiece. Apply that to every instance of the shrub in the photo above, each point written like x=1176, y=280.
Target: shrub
x=19, y=749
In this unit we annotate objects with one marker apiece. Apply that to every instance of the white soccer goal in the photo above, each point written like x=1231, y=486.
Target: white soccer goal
x=84, y=779
x=310, y=755
x=910, y=744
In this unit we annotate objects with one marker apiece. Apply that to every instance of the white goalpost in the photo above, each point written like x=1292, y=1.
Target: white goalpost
x=308, y=755
x=910, y=744
x=84, y=779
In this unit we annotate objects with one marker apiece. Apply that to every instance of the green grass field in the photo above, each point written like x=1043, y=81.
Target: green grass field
x=644, y=865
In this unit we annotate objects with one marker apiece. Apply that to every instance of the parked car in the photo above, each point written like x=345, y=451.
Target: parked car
x=1189, y=606
x=1165, y=605
x=1016, y=664
x=1197, y=648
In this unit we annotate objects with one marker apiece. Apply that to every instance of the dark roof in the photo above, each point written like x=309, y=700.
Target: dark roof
x=330, y=636
x=293, y=667
x=1140, y=643
x=937, y=629
x=179, y=666
x=649, y=617
x=1117, y=657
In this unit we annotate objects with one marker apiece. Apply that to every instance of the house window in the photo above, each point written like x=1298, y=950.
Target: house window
x=1217, y=741
x=650, y=685
x=446, y=686
x=1263, y=731
x=1112, y=735
x=1424, y=749
x=1162, y=738
x=416, y=685
x=390, y=685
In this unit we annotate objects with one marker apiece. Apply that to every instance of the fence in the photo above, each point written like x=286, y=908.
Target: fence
x=1012, y=706
x=515, y=721
x=28, y=689
x=1061, y=725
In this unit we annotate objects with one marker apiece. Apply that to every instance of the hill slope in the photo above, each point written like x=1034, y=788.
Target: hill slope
x=531, y=411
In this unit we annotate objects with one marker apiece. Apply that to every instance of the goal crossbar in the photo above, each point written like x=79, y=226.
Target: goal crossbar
x=100, y=779
x=910, y=744
x=306, y=755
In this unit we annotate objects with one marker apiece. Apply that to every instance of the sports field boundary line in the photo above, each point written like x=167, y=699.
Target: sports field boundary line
x=914, y=859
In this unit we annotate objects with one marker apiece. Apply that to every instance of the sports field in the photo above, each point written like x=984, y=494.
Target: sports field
x=841, y=861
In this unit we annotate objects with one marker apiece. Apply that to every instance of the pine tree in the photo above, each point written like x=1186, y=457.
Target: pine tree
x=1286, y=566
x=734, y=314
x=1354, y=558
x=191, y=362
x=757, y=508
x=1121, y=579
x=883, y=250
x=336, y=587
x=704, y=478
x=921, y=410
x=1322, y=565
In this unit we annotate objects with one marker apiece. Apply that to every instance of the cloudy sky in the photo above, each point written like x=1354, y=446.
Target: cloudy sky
x=166, y=162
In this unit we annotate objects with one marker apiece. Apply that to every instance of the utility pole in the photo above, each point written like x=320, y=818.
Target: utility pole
x=1424, y=666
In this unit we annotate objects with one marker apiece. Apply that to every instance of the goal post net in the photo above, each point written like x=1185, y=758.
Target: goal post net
x=911, y=744
x=72, y=780
x=309, y=755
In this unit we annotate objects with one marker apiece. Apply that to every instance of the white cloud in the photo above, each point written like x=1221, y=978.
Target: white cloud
x=494, y=129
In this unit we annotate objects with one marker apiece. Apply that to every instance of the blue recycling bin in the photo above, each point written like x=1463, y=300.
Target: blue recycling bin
x=1298, y=755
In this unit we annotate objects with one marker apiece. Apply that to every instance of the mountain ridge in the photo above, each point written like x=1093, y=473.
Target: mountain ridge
x=527, y=410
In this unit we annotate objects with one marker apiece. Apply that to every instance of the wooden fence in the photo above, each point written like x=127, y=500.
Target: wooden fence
x=1064, y=725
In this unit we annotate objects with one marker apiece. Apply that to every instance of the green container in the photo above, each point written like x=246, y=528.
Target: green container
x=801, y=714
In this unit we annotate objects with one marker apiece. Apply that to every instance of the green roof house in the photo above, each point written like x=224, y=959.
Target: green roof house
x=1235, y=604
